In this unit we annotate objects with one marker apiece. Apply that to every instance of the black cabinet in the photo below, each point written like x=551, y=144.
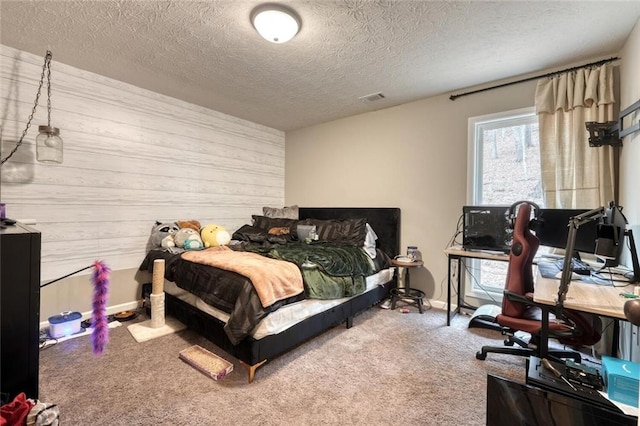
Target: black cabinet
x=19, y=311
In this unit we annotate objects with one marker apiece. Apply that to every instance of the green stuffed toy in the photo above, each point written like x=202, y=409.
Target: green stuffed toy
x=188, y=239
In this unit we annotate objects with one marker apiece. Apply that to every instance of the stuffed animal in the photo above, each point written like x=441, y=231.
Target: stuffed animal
x=161, y=230
x=188, y=239
x=193, y=243
x=193, y=224
x=214, y=235
x=168, y=241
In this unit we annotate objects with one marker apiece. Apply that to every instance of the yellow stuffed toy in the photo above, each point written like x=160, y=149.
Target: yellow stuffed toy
x=214, y=235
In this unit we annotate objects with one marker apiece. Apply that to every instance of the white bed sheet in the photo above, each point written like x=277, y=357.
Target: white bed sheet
x=283, y=318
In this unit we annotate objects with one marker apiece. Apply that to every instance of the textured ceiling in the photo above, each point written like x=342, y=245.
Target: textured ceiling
x=207, y=52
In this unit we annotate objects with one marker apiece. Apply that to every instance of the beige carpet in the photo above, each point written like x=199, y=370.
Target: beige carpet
x=143, y=331
x=390, y=368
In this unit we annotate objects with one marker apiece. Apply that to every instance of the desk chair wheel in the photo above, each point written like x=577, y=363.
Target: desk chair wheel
x=508, y=342
x=481, y=355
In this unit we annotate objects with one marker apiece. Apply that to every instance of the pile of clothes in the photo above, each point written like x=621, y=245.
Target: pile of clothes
x=24, y=411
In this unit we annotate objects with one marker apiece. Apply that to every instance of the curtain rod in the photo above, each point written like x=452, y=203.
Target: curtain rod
x=551, y=74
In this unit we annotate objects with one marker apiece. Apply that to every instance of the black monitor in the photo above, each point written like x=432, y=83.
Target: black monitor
x=553, y=228
x=512, y=403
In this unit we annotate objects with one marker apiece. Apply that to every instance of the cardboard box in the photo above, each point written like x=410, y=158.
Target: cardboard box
x=207, y=362
x=622, y=379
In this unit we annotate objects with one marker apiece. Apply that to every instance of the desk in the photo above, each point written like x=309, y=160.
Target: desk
x=460, y=254
x=604, y=300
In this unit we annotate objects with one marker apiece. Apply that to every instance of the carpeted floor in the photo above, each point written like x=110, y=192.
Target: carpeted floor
x=389, y=368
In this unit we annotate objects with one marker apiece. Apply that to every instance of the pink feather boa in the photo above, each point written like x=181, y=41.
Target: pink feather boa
x=99, y=322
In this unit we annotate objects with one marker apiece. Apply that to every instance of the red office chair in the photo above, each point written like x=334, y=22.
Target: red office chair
x=520, y=312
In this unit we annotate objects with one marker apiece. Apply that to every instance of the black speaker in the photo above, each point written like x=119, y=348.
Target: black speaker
x=608, y=241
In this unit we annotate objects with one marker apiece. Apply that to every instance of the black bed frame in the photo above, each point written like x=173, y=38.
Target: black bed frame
x=254, y=353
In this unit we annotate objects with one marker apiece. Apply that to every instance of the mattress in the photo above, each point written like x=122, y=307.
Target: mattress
x=286, y=316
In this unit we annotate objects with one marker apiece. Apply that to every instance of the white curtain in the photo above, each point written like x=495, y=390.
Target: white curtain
x=575, y=175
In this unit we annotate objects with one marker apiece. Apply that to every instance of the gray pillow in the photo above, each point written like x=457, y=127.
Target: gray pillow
x=347, y=231
x=290, y=212
x=306, y=231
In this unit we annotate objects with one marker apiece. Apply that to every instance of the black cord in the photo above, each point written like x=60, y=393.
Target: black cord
x=611, y=280
x=66, y=276
x=44, y=338
x=451, y=242
x=478, y=284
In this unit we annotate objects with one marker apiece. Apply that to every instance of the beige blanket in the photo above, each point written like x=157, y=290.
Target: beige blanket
x=273, y=279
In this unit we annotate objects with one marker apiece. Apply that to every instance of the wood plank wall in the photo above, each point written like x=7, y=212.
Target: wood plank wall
x=131, y=157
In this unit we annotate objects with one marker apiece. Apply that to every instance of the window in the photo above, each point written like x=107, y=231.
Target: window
x=504, y=158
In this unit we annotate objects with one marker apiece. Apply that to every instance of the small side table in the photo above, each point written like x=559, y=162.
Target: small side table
x=407, y=292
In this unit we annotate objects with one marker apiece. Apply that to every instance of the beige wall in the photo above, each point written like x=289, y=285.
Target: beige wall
x=413, y=156
x=630, y=154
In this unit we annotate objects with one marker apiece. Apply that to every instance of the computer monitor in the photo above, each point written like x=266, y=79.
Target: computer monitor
x=553, y=228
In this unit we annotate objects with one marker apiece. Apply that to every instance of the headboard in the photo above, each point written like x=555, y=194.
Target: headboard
x=385, y=221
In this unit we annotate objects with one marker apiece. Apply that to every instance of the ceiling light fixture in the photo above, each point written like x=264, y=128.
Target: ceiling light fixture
x=275, y=23
x=48, y=142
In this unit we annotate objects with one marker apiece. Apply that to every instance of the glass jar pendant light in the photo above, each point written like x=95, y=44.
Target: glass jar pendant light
x=49, y=145
x=48, y=142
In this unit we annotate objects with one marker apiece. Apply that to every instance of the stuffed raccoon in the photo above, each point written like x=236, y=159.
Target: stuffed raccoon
x=159, y=231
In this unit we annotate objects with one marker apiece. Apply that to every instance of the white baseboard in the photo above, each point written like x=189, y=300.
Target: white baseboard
x=439, y=304
x=129, y=306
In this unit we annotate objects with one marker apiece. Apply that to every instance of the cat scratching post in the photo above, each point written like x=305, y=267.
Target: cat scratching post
x=158, y=325
x=157, y=294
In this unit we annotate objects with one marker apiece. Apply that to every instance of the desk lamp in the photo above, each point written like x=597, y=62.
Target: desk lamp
x=574, y=223
x=611, y=234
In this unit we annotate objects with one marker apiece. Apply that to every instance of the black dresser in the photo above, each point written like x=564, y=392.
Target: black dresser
x=19, y=311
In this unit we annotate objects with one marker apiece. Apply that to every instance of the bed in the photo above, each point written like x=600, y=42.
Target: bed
x=295, y=319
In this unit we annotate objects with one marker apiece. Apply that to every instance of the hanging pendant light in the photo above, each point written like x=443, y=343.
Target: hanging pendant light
x=275, y=23
x=49, y=145
x=48, y=142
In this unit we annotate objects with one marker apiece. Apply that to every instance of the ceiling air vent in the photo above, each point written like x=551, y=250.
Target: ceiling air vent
x=372, y=97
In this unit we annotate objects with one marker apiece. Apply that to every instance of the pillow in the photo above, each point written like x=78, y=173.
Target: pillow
x=250, y=233
x=347, y=231
x=282, y=213
x=266, y=223
x=306, y=231
x=370, y=242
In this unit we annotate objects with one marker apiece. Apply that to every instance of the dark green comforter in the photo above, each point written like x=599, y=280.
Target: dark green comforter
x=329, y=271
